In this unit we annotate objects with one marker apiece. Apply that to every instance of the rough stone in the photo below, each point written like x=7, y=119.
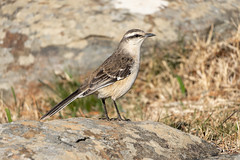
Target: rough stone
x=224, y=157
x=81, y=138
x=5, y=58
x=26, y=60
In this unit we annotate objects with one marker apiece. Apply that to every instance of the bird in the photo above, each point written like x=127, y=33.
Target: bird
x=114, y=77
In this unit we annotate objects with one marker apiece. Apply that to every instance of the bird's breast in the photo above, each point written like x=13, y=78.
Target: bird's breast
x=119, y=88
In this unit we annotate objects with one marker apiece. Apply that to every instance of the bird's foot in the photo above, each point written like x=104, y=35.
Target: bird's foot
x=119, y=119
x=105, y=118
x=125, y=119
x=114, y=119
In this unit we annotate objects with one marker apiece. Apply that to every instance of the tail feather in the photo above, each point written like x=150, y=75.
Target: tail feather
x=62, y=104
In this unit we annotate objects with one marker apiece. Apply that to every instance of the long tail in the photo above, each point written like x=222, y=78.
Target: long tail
x=77, y=94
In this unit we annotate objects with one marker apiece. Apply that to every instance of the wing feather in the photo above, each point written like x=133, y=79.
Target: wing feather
x=115, y=68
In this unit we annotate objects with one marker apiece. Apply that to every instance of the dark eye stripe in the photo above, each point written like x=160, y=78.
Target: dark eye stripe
x=135, y=36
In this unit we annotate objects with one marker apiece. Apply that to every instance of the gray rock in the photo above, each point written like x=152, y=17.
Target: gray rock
x=224, y=157
x=6, y=58
x=82, y=138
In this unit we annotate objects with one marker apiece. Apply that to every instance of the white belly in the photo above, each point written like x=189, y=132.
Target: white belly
x=121, y=87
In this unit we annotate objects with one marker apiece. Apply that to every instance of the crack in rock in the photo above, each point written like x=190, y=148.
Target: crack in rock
x=82, y=139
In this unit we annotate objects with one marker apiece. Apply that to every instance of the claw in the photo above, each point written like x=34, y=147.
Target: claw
x=105, y=118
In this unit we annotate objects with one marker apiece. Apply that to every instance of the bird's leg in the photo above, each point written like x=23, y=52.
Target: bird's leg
x=105, y=110
x=119, y=116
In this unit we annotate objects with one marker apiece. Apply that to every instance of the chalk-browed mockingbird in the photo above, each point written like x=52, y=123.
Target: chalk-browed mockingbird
x=114, y=77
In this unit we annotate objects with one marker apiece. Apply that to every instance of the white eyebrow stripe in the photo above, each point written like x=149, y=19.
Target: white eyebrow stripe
x=132, y=34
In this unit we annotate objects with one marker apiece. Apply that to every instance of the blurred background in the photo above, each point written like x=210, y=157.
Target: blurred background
x=189, y=76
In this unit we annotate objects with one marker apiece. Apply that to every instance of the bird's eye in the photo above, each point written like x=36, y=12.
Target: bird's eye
x=137, y=35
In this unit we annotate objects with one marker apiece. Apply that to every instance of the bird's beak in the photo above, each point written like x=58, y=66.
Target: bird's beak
x=149, y=35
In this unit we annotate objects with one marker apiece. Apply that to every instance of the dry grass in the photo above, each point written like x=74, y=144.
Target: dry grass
x=208, y=108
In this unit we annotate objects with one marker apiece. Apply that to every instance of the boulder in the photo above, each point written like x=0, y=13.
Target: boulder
x=83, y=138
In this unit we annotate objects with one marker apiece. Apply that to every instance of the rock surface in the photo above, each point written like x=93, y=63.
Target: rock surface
x=224, y=157
x=40, y=38
x=81, y=138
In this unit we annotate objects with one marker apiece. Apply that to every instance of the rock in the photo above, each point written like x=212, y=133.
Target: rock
x=224, y=157
x=87, y=32
x=26, y=60
x=82, y=138
x=6, y=58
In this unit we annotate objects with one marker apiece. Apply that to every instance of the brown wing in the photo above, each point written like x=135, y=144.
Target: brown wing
x=115, y=68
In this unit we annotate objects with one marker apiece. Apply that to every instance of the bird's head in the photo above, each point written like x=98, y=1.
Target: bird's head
x=135, y=36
